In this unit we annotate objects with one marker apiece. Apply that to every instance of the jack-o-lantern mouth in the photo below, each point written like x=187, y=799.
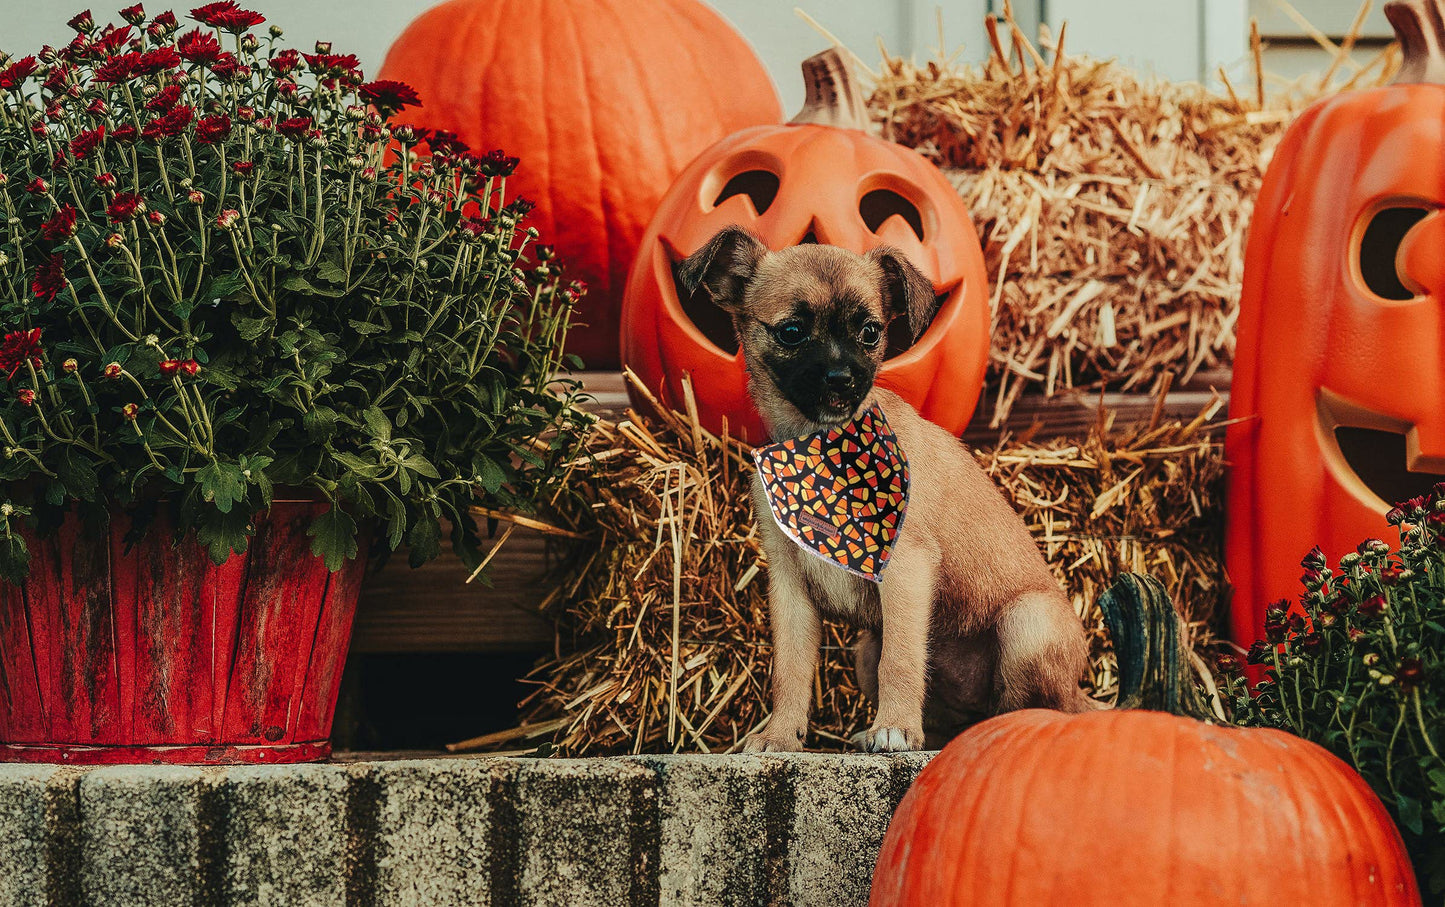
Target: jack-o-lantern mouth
x=1372, y=453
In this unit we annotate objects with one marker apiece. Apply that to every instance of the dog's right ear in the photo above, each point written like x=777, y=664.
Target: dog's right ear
x=722, y=268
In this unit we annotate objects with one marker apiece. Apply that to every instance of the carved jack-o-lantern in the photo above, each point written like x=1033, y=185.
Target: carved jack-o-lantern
x=820, y=178
x=1340, y=369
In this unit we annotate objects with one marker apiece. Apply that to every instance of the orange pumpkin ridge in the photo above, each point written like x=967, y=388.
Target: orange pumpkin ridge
x=604, y=101
x=1339, y=383
x=1130, y=807
x=796, y=182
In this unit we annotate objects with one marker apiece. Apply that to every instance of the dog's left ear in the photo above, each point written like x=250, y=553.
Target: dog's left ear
x=723, y=267
x=906, y=291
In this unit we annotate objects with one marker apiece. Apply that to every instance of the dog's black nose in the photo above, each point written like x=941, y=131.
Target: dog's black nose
x=839, y=378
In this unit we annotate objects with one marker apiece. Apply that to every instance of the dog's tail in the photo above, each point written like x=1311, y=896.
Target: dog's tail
x=1155, y=670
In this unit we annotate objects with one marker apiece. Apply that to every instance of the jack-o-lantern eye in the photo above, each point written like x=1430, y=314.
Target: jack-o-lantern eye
x=1379, y=250
x=877, y=206
x=760, y=186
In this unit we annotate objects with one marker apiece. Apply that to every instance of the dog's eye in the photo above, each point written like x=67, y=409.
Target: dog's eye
x=870, y=335
x=790, y=333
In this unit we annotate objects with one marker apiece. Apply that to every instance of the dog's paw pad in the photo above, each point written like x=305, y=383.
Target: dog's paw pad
x=763, y=743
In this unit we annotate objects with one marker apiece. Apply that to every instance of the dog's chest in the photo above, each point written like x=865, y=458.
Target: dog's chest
x=836, y=592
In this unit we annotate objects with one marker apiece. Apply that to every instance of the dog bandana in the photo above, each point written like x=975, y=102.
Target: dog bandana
x=841, y=493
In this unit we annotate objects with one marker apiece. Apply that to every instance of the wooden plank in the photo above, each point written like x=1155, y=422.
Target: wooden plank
x=433, y=609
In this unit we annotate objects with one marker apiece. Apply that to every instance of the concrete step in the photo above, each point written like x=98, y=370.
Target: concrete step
x=676, y=830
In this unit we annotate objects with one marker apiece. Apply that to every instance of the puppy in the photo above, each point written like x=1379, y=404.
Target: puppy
x=967, y=620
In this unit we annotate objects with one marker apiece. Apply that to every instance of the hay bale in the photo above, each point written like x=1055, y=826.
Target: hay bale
x=663, y=633
x=1112, y=209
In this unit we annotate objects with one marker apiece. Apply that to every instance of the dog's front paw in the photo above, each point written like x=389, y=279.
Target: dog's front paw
x=766, y=742
x=889, y=740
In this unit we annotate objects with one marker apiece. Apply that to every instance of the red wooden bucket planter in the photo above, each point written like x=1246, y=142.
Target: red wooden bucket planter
x=155, y=654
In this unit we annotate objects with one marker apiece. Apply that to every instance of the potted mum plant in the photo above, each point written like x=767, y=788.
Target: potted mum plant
x=250, y=331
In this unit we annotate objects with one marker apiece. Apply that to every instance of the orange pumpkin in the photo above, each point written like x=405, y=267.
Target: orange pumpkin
x=1339, y=378
x=605, y=101
x=820, y=178
x=1130, y=807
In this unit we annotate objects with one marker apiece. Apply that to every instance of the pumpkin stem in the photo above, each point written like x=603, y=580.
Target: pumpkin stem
x=1420, y=28
x=1154, y=670
x=832, y=98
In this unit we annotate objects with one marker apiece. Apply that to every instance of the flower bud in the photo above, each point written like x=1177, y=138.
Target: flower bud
x=356, y=161
x=37, y=186
x=249, y=42
x=245, y=113
x=275, y=31
x=196, y=197
x=113, y=371
x=114, y=241
x=70, y=366
x=105, y=180
x=26, y=396
x=130, y=410
x=1370, y=659
x=169, y=366
x=355, y=113
x=156, y=218
x=190, y=368
x=4, y=259
x=1350, y=559
x=323, y=47
x=227, y=218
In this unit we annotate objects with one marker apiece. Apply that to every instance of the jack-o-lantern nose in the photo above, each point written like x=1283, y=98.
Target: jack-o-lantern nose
x=1421, y=262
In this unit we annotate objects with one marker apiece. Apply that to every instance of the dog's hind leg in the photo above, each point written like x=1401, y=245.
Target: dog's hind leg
x=1041, y=654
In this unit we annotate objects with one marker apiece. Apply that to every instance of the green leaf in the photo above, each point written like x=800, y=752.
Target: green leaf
x=251, y=328
x=332, y=272
x=421, y=466
x=491, y=475
x=425, y=540
x=74, y=470
x=377, y=421
x=1410, y=815
x=222, y=484
x=223, y=533
x=320, y=424
x=333, y=538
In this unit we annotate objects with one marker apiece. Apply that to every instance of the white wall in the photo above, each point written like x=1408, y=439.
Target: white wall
x=1162, y=35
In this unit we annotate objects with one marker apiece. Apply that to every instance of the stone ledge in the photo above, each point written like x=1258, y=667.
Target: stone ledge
x=672, y=830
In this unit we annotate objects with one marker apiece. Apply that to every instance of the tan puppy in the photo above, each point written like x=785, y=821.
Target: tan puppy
x=967, y=620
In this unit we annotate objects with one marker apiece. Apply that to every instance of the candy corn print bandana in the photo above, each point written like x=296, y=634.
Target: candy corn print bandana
x=840, y=493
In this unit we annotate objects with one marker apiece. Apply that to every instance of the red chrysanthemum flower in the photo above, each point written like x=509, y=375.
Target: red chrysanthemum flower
x=334, y=64
x=295, y=127
x=117, y=69
x=158, y=60
x=112, y=40
x=130, y=411
x=83, y=144
x=227, y=16
x=135, y=15
x=190, y=368
x=285, y=61
x=26, y=396
x=13, y=75
x=199, y=46
x=113, y=371
x=163, y=25
x=126, y=133
x=60, y=162
x=49, y=278
x=37, y=186
x=230, y=69
x=497, y=163
x=82, y=21
x=124, y=206
x=58, y=79
x=244, y=169
x=19, y=348
x=78, y=50
x=227, y=218
x=60, y=226
x=164, y=100
x=389, y=96
x=213, y=129
x=170, y=366
x=172, y=124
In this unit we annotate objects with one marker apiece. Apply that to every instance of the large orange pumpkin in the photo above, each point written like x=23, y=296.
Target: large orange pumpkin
x=605, y=101
x=1339, y=378
x=820, y=178
x=1129, y=807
